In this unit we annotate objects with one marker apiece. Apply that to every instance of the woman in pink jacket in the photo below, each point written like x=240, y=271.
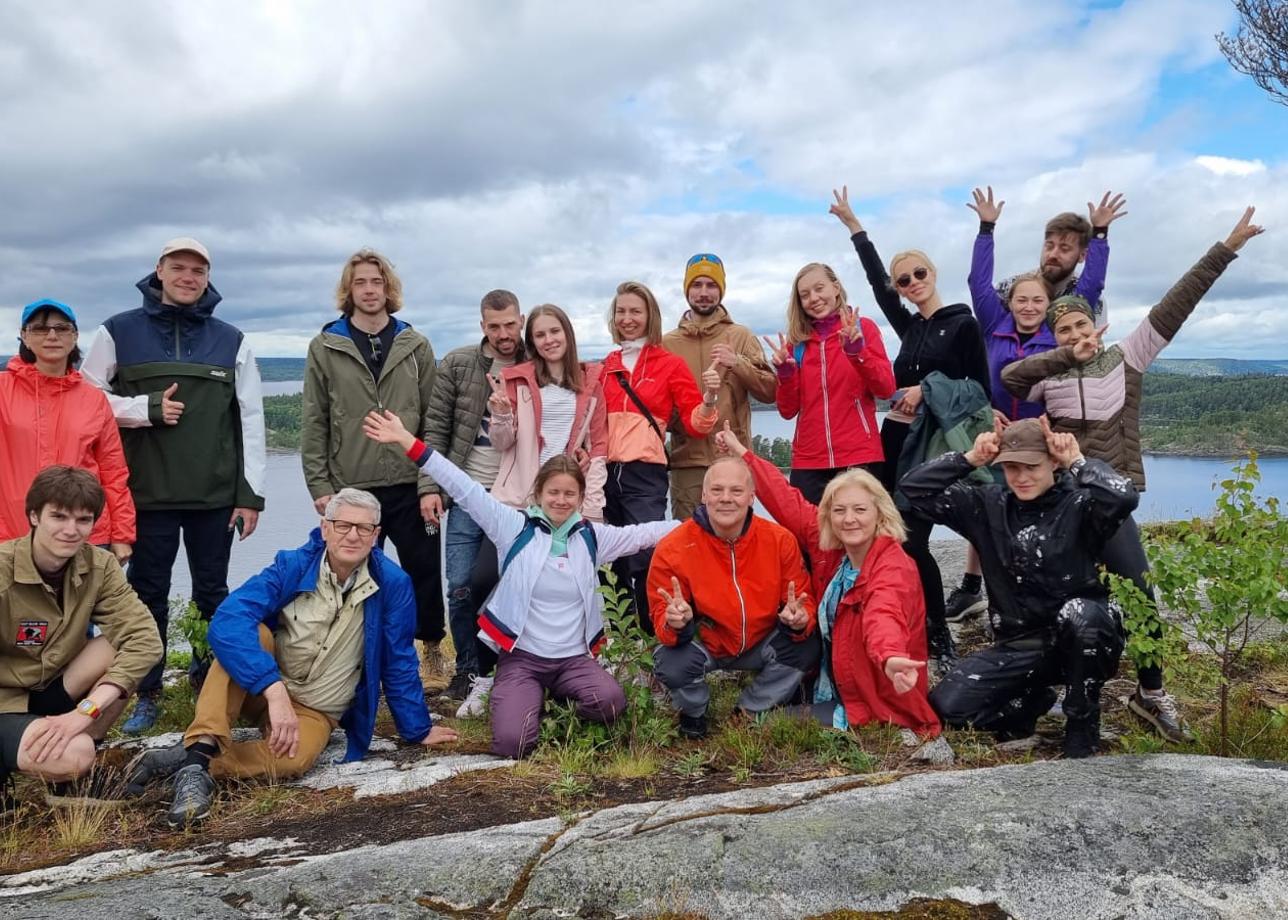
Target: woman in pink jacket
x=550, y=405
x=48, y=416
x=832, y=367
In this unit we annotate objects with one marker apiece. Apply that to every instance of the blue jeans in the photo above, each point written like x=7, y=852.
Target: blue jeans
x=464, y=537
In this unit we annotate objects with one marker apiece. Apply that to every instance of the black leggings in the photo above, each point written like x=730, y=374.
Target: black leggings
x=635, y=494
x=938, y=639
x=811, y=483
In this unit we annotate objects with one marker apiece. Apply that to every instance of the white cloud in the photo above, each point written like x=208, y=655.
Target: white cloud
x=1228, y=166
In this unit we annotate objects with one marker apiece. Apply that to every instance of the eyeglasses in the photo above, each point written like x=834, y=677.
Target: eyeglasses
x=343, y=527
x=704, y=257
x=374, y=342
x=921, y=274
x=62, y=330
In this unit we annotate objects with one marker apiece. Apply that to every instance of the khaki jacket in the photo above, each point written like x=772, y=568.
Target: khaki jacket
x=39, y=637
x=692, y=341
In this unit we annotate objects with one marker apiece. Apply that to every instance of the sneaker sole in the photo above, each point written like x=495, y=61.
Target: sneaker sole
x=1145, y=715
x=973, y=610
x=187, y=821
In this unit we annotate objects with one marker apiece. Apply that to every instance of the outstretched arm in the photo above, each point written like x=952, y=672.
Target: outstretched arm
x=883, y=291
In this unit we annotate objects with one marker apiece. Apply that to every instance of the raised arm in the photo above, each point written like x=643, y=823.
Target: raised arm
x=1026, y=377
x=883, y=291
x=787, y=398
x=989, y=309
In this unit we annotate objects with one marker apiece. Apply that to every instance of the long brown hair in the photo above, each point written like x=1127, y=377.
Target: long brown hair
x=572, y=375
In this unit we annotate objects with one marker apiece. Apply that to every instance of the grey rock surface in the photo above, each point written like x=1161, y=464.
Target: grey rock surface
x=1165, y=836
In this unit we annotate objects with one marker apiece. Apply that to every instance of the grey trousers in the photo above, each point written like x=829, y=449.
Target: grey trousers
x=781, y=664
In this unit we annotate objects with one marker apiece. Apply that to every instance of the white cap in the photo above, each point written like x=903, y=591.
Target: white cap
x=185, y=244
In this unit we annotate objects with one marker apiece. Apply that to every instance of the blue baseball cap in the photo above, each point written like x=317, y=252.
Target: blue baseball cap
x=38, y=305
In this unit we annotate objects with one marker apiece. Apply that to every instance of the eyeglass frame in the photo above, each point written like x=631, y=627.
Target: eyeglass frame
x=42, y=330
x=348, y=527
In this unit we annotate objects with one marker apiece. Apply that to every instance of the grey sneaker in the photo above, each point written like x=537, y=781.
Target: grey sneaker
x=1160, y=712
x=193, y=790
x=961, y=605
x=152, y=765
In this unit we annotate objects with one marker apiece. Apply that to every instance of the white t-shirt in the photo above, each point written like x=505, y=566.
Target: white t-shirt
x=558, y=407
x=555, y=626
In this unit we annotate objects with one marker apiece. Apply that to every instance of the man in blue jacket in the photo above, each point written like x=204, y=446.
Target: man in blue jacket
x=304, y=646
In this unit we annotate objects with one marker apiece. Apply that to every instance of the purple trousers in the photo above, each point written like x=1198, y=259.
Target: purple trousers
x=519, y=692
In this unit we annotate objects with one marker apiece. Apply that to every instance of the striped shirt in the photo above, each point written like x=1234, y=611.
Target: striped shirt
x=558, y=407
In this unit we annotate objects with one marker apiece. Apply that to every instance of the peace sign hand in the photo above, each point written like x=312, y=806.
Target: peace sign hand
x=678, y=611
x=780, y=355
x=850, y=331
x=498, y=403
x=1088, y=348
x=1244, y=230
x=988, y=211
x=844, y=213
x=793, y=615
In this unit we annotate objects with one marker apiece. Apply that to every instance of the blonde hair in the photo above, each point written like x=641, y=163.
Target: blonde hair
x=393, y=285
x=654, y=331
x=799, y=325
x=889, y=521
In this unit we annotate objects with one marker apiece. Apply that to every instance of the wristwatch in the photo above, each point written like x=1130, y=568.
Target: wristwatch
x=88, y=707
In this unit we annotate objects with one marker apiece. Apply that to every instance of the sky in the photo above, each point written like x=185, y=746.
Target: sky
x=558, y=148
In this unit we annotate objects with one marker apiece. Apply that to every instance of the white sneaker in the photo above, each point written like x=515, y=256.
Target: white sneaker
x=475, y=705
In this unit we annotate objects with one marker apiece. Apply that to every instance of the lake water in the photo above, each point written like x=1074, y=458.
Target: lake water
x=1179, y=487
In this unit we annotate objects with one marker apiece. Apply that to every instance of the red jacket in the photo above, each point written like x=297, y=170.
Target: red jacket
x=664, y=383
x=59, y=420
x=884, y=614
x=736, y=589
x=832, y=395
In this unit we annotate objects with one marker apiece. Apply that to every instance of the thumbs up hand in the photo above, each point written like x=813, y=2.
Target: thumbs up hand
x=171, y=408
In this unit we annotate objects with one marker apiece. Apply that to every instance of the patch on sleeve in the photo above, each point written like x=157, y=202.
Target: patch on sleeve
x=32, y=633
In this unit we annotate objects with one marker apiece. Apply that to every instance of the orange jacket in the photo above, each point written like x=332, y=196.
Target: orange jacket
x=736, y=589
x=59, y=420
x=665, y=385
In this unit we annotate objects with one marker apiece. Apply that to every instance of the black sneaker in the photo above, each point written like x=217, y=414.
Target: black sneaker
x=8, y=792
x=1081, y=738
x=152, y=765
x=693, y=727
x=962, y=604
x=193, y=790
x=459, y=686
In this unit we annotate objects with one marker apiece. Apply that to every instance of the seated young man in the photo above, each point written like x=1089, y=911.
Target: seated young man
x=304, y=646
x=728, y=590
x=1039, y=538
x=61, y=690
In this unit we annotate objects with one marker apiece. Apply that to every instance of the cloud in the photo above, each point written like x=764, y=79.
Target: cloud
x=557, y=151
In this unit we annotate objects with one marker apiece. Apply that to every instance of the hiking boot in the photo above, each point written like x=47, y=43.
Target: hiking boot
x=193, y=790
x=144, y=716
x=152, y=765
x=434, y=673
x=1161, y=713
x=8, y=792
x=1081, y=738
x=693, y=727
x=459, y=686
x=475, y=705
x=962, y=604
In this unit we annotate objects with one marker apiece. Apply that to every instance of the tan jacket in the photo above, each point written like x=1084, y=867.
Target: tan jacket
x=39, y=637
x=692, y=342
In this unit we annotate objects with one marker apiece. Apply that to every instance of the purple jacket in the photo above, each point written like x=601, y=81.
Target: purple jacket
x=1001, y=341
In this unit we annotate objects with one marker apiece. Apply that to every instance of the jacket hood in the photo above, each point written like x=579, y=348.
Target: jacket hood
x=703, y=520
x=342, y=326
x=694, y=324
x=28, y=373
x=950, y=310
x=150, y=287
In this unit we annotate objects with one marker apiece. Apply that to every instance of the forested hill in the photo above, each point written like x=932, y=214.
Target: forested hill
x=1218, y=367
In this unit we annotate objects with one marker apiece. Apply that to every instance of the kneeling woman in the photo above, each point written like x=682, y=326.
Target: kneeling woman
x=872, y=616
x=544, y=615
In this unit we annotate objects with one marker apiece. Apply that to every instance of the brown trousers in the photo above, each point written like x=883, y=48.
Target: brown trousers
x=686, y=491
x=220, y=705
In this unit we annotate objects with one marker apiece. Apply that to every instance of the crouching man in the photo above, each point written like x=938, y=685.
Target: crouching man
x=60, y=689
x=1039, y=538
x=304, y=646
x=727, y=590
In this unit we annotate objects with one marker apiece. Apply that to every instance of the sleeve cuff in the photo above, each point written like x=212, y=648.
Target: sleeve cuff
x=419, y=452
x=986, y=227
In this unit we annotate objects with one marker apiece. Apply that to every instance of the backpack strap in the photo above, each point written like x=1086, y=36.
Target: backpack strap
x=625, y=383
x=799, y=353
x=522, y=540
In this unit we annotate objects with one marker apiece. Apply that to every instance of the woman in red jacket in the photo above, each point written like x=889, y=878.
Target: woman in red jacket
x=48, y=416
x=832, y=367
x=871, y=613
x=643, y=384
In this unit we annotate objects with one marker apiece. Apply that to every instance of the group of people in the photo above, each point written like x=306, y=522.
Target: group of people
x=1009, y=422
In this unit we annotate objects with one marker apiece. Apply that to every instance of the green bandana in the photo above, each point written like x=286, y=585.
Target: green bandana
x=1069, y=303
x=558, y=535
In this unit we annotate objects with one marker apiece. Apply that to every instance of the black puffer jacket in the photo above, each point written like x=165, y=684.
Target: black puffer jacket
x=949, y=342
x=1037, y=554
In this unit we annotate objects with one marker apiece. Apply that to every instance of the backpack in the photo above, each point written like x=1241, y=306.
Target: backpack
x=583, y=529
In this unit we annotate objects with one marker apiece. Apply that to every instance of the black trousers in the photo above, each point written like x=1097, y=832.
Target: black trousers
x=1125, y=556
x=207, y=541
x=418, y=554
x=635, y=494
x=1004, y=688
x=811, y=483
x=938, y=638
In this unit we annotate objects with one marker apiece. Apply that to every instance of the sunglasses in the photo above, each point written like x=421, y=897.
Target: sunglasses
x=376, y=353
x=921, y=274
x=704, y=257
